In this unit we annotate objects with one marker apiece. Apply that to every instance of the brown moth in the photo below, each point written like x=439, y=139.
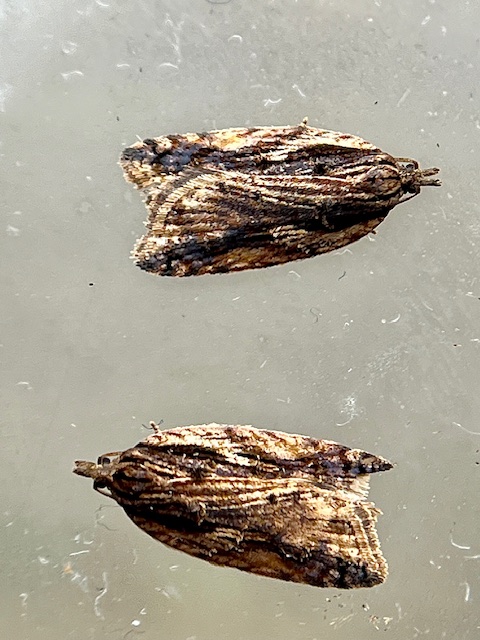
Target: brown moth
x=238, y=199
x=276, y=504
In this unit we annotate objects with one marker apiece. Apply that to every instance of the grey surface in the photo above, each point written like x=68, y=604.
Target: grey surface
x=376, y=346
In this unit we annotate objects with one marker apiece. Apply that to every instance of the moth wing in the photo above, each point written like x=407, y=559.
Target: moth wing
x=292, y=530
x=220, y=221
x=260, y=451
x=203, y=201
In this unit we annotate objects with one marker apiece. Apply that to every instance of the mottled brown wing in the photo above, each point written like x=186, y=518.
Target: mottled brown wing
x=218, y=221
x=203, y=200
x=260, y=453
x=261, y=150
x=287, y=529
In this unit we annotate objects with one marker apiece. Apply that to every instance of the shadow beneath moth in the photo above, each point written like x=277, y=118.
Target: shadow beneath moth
x=275, y=504
x=237, y=199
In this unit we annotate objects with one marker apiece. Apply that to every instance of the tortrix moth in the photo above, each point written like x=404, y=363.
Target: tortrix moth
x=237, y=199
x=276, y=504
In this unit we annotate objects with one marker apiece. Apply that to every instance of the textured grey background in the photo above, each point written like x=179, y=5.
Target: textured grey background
x=376, y=346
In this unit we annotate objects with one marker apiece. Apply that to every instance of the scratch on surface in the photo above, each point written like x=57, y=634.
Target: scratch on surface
x=77, y=578
x=104, y=590
x=5, y=93
x=473, y=433
x=268, y=102
x=396, y=319
x=338, y=622
x=25, y=384
x=300, y=92
x=404, y=97
x=168, y=64
x=71, y=74
x=458, y=546
x=175, y=40
x=383, y=362
x=135, y=556
x=349, y=409
x=13, y=232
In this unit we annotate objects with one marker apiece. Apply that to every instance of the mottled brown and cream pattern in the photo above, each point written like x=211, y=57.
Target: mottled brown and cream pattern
x=238, y=199
x=271, y=503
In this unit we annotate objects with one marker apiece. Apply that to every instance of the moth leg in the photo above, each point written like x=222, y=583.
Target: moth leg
x=102, y=489
x=409, y=196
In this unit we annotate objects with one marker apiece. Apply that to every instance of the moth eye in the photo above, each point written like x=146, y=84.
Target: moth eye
x=409, y=165
x=105, y=460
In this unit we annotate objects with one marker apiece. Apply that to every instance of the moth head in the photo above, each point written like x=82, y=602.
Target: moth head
x=413, y=178
x=100, y=472
x=383, y=180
